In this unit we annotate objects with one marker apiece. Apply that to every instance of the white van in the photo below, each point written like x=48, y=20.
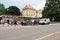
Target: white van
x=44, y=21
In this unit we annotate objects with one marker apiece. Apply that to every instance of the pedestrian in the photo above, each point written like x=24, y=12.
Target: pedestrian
x=32, y=22
x=35, y=22
x=2, y=22
x=15, y=22
x=8, y=21
x=27, y=22
x=22, y=23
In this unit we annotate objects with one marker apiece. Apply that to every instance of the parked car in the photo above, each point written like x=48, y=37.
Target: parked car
x=44, y=21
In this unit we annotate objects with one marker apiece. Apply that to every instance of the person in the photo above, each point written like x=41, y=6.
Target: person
x=8, y=21
x=15, y=22
x=18, y=22
x=22, y=23
x=27, y=22
x=2, y=22
x=32, y=22
x=35, y=22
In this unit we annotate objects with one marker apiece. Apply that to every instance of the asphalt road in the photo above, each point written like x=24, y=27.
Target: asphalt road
x=29, y=33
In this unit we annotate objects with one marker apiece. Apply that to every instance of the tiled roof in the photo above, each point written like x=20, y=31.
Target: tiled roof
x=28, y=7
x=39, y=10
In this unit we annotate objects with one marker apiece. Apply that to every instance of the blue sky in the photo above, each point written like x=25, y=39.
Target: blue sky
x=37, y=4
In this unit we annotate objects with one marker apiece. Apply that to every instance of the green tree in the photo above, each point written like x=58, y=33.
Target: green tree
x=2, y=9
x=13, y=10
x=52, y=9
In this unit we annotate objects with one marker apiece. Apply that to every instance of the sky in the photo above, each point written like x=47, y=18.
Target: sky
x=37, y=4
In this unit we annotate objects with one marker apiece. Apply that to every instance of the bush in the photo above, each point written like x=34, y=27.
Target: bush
x=26, y=18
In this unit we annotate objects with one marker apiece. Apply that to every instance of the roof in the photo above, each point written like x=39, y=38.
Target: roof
x=40, y=10
x=28, y=7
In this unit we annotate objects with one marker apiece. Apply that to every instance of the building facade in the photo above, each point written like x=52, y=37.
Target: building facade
x=29, y=11
x=39, y=13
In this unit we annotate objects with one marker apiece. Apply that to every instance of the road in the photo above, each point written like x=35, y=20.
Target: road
x=29, y=33
x=53, y=36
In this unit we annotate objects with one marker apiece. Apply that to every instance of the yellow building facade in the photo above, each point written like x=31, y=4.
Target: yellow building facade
x=39, y=13
x=29, y=11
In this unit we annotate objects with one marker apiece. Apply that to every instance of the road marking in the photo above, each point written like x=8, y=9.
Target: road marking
x=47, y=35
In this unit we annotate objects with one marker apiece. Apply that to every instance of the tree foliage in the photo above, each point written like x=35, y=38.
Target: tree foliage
x=52, y=9
x=13, y=10
x=2, y=9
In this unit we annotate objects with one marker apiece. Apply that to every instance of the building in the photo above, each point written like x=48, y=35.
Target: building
x=39, y=13
x=29, y=11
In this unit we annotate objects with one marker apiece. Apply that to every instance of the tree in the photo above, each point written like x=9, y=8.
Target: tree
x=52, y=9
x=2, y=9
x=13, y=10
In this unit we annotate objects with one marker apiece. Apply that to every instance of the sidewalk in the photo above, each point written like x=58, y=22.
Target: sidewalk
x=54, y=22
x=5, y=27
